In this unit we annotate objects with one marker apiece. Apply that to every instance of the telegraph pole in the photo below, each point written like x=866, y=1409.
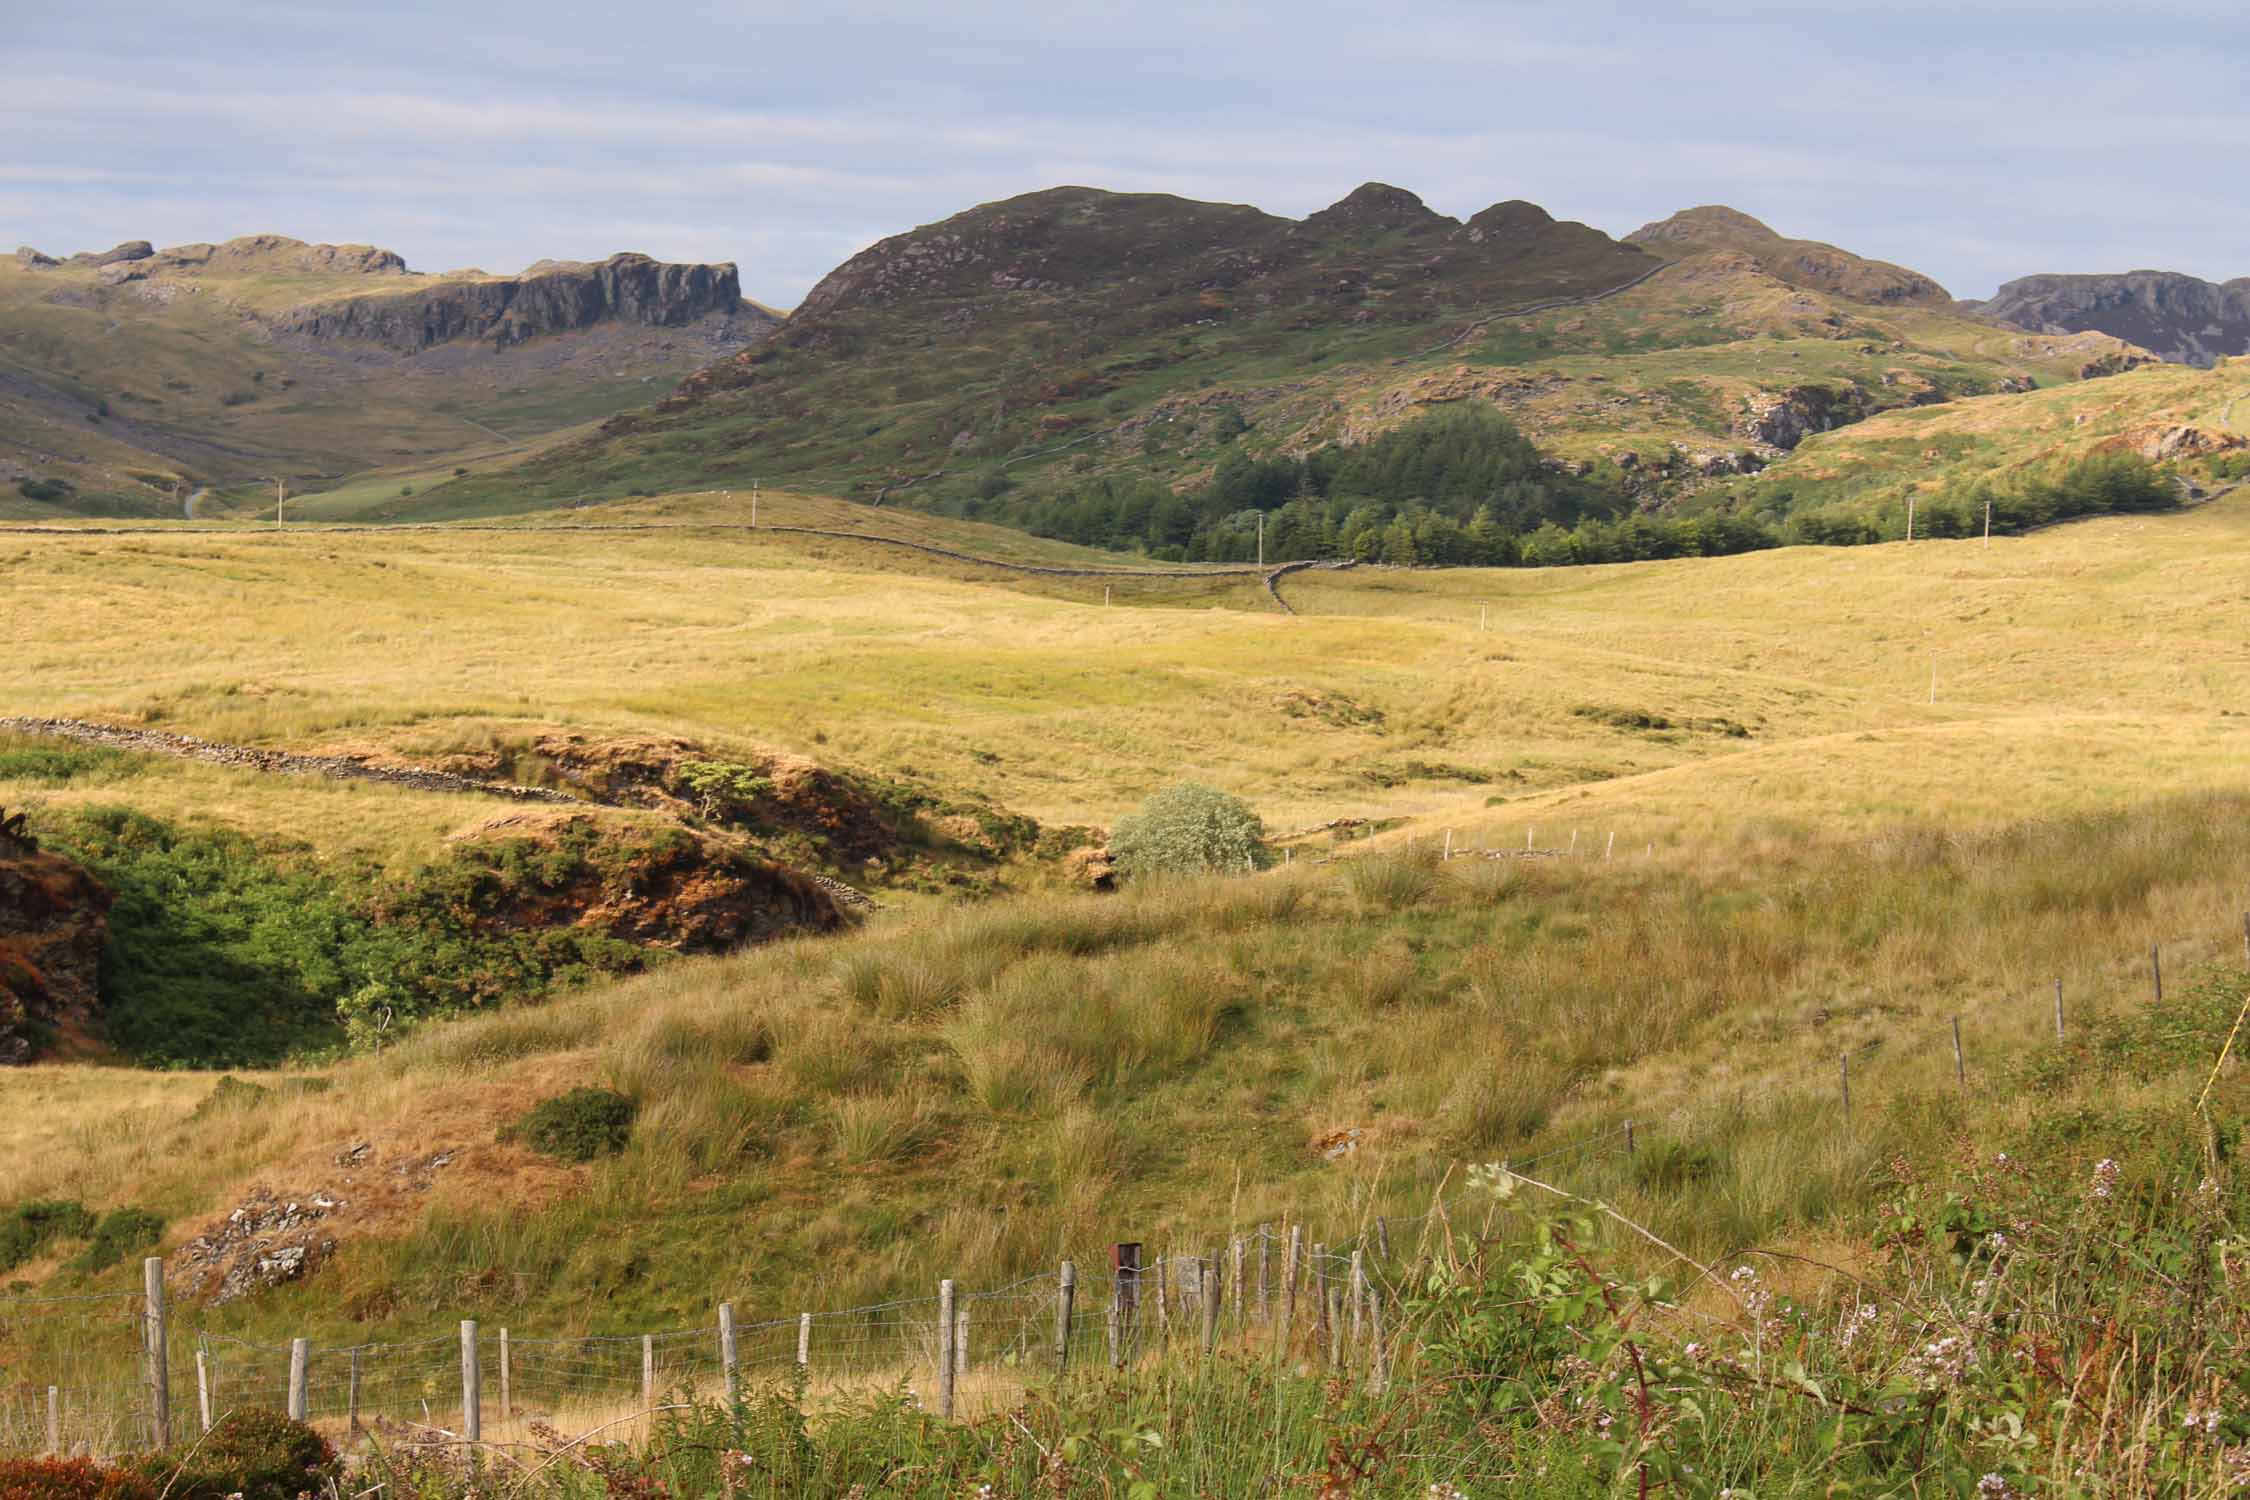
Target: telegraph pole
x=1261, y=538
x=753, y=502
x=280, y=493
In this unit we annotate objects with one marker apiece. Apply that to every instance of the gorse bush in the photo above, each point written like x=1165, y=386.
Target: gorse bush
x=121, y=1232
x=577, y=1126
x=252, y=1453
x=1189, y=829
x=29, y=1228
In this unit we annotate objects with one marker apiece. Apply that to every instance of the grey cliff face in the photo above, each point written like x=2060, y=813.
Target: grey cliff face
x=2185, y=319
x=550, y=298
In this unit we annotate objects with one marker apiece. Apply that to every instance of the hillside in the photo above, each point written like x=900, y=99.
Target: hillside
x=1043, y=345
x=1821, y=846
x=133, y=378
x=2182, y=318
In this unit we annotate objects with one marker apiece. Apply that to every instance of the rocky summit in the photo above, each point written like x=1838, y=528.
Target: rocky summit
x=1800, y=263
x=2185, y=319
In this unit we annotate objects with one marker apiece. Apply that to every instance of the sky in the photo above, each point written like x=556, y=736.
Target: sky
x=1972, y=141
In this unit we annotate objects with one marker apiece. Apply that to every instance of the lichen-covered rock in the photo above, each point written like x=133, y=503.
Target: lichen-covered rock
x=54, y=917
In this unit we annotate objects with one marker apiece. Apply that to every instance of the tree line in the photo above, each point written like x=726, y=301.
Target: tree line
x=1463, y=487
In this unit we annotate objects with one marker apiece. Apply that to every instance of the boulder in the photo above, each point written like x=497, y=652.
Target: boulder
x=31, y=260
x=54, y=917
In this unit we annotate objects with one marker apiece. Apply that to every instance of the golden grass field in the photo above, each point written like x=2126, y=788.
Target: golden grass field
x=825, y=1121
x=2086, y=666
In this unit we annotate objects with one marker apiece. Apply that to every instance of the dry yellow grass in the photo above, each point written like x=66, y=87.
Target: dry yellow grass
x=2081, y=666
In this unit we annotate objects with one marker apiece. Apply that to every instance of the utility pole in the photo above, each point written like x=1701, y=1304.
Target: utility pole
x=1261, y=538
x=1910, y=517
x=280, y=493
x=1988, y=520
x=753, y=502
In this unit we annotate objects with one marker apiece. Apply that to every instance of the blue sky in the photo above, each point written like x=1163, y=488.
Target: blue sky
x=1973, y=141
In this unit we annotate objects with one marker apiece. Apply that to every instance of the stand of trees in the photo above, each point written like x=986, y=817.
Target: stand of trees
x=1462, y=486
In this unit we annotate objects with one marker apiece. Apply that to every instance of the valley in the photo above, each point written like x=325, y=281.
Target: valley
x=665, y=811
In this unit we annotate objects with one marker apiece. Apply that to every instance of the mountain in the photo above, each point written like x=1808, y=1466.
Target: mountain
x=1031, y=348
x=1801, y=263
x=2183, y=318
x=131, y=376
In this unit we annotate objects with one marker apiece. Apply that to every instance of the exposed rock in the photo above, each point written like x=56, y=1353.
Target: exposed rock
x=2182, y=318
x=128, y=251
x=1783, y=419
x=267, y=1240
x=2162, y=444
x=678, y=890
x=2115, y=362
x=31, y=260
x=1801, y=263
x=275, y=252
x=54, y=917
x=550, y=298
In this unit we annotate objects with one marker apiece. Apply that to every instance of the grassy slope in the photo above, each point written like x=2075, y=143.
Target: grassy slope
x=1872, y=466
x=194, y=388
x=1827, y=882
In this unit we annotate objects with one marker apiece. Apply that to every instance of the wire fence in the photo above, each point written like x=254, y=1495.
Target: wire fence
x=1285, y=1288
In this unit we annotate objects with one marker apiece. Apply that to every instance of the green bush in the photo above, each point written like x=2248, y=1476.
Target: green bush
x=577, y=1126
x=69, y=1479
x=30, y=1227
x=252, y=1453
x=121, y=1232
x=1188, y=829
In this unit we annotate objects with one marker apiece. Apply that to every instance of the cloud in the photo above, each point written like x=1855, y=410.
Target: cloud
x=1974, y=143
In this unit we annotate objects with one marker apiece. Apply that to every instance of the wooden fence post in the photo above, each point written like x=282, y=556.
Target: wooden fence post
x=1383, y=1238
x=1378, y=1363
x=1844, y=1063
x=1211, y=1302
x=1163, y=1302
x=1236, y=1254
x=54, y=1420
x=351, y=1396
x=507, y=1394
x=300, y=1379
x=1291, y=1262
x=961, y=1338
x=2156, y=970
x=804, y=1342
x=2058, y=1012
x=1358, y=1296
x=1066, y=1293
x=202, y=1391
x=1336, y=1327
x=730, y=1358
x=1265, y=1252
x=648, y=1370
x=154, y=1347
x=1960, y=1066
x=945, y=1349
x=472, y=1384
x=1116, y=1344
x=1319, y=1295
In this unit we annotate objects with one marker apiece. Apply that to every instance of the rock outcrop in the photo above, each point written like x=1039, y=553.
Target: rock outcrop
x=1800, y=263
x=2184, y=319
x=1783, y=419
x=32, y=260
x=130, y=250
x=54, y=917
x=552, y=297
